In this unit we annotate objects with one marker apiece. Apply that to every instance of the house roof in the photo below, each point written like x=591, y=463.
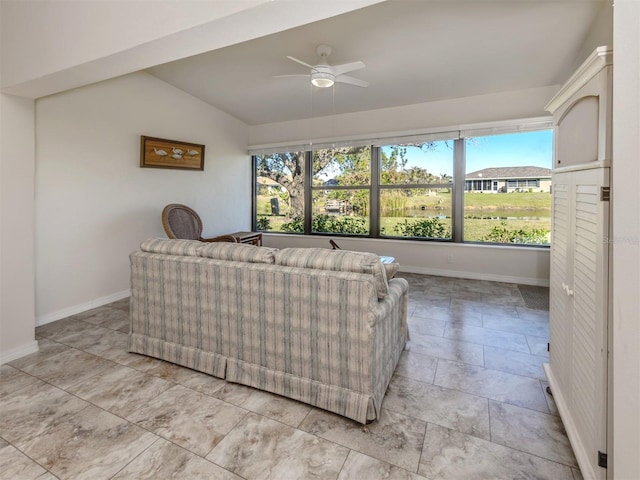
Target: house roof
x=268, y=182
x=502, y=173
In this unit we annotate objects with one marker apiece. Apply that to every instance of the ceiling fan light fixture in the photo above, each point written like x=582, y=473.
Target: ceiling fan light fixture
x=322, y=79
x=324, y=75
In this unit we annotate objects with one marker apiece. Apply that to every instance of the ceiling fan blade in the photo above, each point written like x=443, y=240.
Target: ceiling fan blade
x=293, y=75
x=346, y=67
x=300, y=62
x=351, y=81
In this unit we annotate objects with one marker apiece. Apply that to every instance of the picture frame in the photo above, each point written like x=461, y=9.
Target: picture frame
x=174, y=154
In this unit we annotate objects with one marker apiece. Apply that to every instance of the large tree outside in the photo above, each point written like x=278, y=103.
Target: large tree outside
x=280, y=186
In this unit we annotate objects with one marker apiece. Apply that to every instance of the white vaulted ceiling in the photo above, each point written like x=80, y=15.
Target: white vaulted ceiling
x=415, y=51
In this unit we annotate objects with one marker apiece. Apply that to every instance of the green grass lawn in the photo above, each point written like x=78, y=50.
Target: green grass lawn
x=507, y=201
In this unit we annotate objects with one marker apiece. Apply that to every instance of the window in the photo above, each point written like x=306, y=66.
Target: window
x=523, y=183
x=416, y=181
x=508, y=188
x=341, y=190
x=279, y=192
x=453, y=187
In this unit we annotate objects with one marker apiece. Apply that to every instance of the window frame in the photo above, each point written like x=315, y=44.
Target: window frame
x=457, y=185
x=400, y=186
x=309, y=186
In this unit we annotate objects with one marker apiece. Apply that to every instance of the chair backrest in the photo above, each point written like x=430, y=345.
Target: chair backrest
x=180, y=221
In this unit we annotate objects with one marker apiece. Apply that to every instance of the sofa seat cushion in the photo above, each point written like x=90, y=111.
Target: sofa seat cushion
x=237, y=252
x=336, y=260
x=171, y=246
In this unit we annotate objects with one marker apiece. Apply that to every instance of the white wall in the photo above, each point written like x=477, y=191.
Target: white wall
x=94, y=204
x=483, y=262
x=600, y=33
x=626, y=241
x=445, y=113
x=17, y=147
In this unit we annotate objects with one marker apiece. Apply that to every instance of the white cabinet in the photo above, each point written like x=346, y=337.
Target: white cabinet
x=579, y=283
x=582, y=113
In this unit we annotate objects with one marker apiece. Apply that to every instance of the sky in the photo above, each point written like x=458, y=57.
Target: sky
x=510, y=150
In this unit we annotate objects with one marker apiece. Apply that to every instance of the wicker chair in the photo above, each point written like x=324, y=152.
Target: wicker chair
x=180, y=221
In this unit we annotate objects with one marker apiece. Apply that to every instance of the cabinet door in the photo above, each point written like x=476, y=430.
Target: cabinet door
x=590, y=307
x=578, y=311
x=560, y=308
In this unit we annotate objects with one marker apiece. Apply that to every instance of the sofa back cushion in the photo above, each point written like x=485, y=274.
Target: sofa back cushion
x=237, y=252
x=336, y=260
x=171, y=247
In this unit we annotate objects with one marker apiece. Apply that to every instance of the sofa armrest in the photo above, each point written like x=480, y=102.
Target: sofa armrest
x=388, y=337
x=398, y=288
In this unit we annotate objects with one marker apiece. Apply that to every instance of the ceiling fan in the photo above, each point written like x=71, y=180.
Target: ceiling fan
x=324, y=75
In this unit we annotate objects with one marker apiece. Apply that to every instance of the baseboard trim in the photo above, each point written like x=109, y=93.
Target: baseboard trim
x=18, y=352
x=570, y=426
x=537, y=282
x=83, y=307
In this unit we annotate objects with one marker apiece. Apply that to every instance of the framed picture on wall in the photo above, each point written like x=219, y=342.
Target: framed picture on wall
x=163, y=153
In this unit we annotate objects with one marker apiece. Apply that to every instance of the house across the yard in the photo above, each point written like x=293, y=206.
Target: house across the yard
x=268, y=186
x=509, y=179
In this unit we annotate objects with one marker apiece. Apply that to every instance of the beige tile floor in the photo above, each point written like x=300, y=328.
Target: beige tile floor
x=467, y=401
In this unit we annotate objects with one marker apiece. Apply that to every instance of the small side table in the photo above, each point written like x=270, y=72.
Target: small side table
x=390, y=267
x=253, y=238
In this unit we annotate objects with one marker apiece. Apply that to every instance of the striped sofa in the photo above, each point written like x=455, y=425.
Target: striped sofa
x=321, y=326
